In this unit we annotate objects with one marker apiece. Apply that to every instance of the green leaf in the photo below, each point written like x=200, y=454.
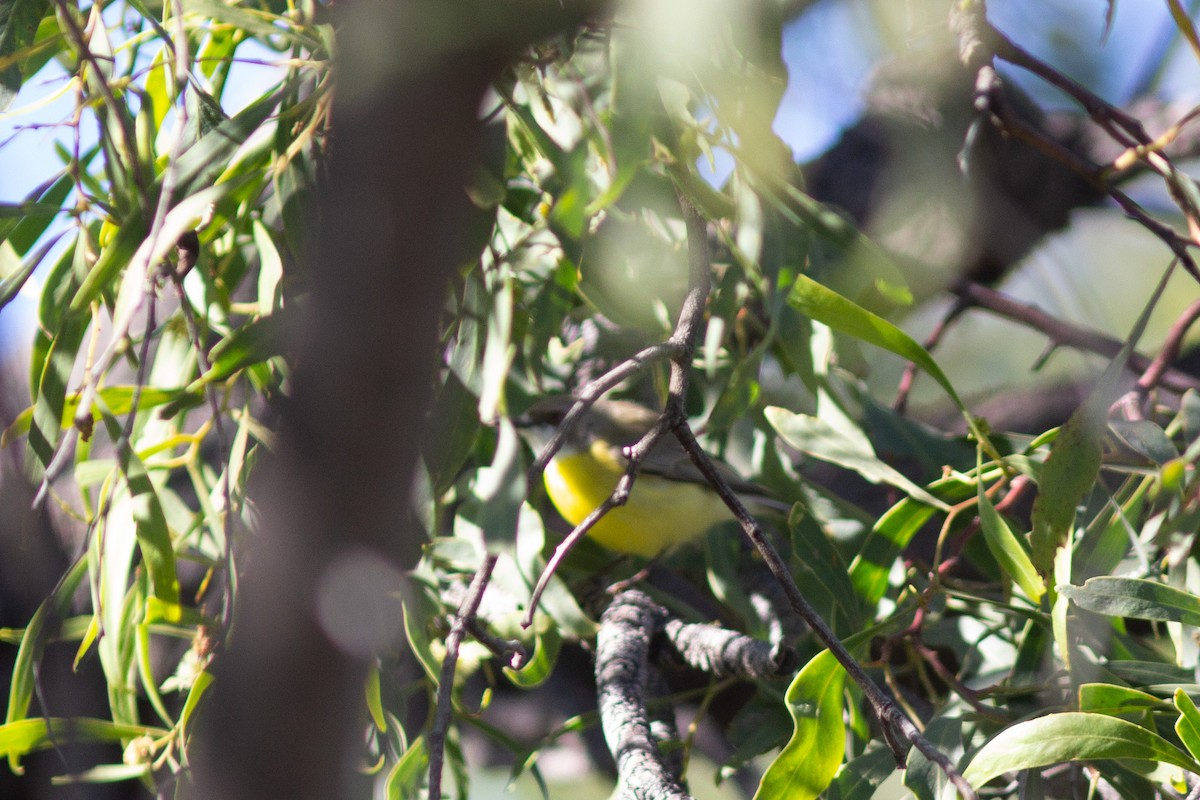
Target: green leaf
x=1067, y=478
x=819, y=439
x=1188, y=725
x=42, y=628
x=808, y=762
x=259, y=23
x=1105, y=698
x=202, y=163
x=1071, y=736
x=371, y=688
x=114, y=257
x=828, y=307
x=132, y=247
x=199, y=687
x=541, y=664
x=1135, y=597
x=1145, y=438
x=1070, y=471
x=924, y=778
x=451, y=433
x=153, y=535
x=252, y=343
x=892, y=533
x=1008, y=550
x=860, y=777
x=24, y=736
x=18, y=25
x=118, y=399
x=50, y=393
x=39, y=210
x=104, y=773
x=13, y=283
x=404, y=779
x=145, y=669
x=822, y=561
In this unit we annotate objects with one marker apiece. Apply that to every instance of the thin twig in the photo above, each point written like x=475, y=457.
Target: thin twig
x=1170, y=349
x=618, y=497
x=950, y=679
x=1064, y=333
x=458, y=629
x=990, y=99
x=980, y=37
x=509, y=649
x=140, y=266
x=66, y=13
x=1132, y=403
x=893, y=721
x=904, y=388
x=592, y=392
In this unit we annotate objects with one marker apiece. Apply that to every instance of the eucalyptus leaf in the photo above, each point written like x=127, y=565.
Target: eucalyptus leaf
x=810, y=759
x=1070, y=736
x=1136, y=598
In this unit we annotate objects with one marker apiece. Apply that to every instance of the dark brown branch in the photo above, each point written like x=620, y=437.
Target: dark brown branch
x=935, y=336
x=592, y=392
x=511, y=650
x=458, y=630
x=1132, y=403
x=990, y=99
x=620, y=495
x=1156, y=372
x=1064, y=333
x=979, y=39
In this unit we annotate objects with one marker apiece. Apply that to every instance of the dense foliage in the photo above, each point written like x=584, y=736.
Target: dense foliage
x=1029, y=598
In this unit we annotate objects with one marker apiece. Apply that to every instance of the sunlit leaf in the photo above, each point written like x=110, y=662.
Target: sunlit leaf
x=1071, y=736
x=819, y=439
x=810, y=759
x=1136, y=598
x=24, y=736
x=18, y=23
x=1008, y=550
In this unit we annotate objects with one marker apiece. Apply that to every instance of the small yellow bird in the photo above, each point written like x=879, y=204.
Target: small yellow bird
x=670, y=502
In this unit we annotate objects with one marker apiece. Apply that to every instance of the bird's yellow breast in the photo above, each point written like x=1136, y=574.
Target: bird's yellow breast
x=660, y=513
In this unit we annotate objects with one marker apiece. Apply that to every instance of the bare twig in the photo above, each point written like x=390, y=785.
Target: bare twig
x=454, y=639
x=968, y=694
x=910, y=369
x=979, y=40
x=509, y=649
x=1132, y=403
x=990, y=99
x=1064, y=333
x=588, y=396
x=1157, y=370
x=139, y=266
x=619, y=496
